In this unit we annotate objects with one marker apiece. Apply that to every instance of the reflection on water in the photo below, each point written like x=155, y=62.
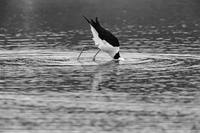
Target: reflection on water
x=47, y=90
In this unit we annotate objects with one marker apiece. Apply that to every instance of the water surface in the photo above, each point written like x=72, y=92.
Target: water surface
x=43, y=88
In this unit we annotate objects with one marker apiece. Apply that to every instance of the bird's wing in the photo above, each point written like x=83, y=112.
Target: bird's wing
x=108, y=37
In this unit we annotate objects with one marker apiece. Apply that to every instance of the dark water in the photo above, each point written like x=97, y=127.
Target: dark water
x=43, y=88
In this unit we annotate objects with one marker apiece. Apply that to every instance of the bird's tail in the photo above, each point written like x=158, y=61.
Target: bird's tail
x=92, y=22
x=87, y=19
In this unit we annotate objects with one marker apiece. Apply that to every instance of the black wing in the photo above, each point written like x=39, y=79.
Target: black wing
x=103, y=33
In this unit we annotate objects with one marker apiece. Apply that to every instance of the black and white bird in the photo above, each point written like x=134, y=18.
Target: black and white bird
x=104, y=40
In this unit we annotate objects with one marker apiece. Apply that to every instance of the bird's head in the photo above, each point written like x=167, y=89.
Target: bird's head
x=118, y=57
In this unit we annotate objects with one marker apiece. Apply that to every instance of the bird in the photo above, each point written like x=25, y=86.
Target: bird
x=104, y=40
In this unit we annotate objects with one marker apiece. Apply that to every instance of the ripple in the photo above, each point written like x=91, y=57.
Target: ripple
x=142, y=60
x=138, y=93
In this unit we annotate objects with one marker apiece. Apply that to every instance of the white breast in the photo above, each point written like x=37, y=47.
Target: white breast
x=95, y=38
x=106, y=47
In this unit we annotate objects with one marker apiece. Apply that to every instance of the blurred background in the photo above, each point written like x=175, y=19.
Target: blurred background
x=59, y=15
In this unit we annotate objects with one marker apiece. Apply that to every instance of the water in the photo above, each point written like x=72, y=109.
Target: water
x=43, y=88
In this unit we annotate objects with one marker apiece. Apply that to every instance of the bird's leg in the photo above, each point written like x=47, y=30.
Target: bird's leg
x=80, y=53
x=96, y=55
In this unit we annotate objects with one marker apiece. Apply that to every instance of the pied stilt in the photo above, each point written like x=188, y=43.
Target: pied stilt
x=104, y=40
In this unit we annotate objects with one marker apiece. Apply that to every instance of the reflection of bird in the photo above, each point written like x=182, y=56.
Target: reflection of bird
x=105, y=69
x=104, y=40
